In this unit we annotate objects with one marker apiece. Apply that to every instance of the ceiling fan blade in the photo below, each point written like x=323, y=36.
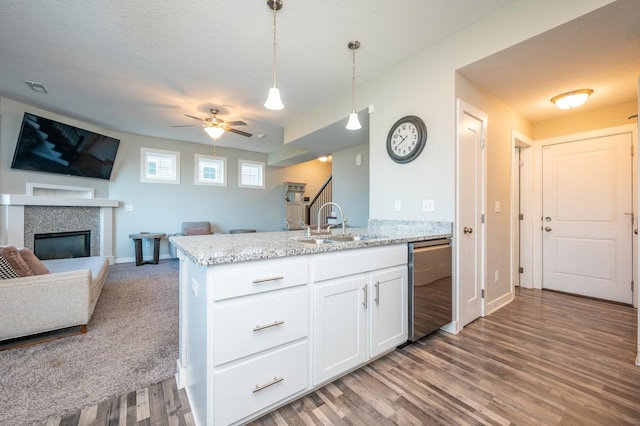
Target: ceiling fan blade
x=240, y=132
x=235, y=123
x=185, y=125
x=194, y=117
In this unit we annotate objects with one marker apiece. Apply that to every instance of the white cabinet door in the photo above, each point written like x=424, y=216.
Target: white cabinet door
x=388, y=309
x=340, y=326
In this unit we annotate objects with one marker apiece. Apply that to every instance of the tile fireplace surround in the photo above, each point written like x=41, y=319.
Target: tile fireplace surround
x=55, y=208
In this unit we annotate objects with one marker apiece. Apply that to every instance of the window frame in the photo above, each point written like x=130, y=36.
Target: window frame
x=262, y=167
x=223, y=165
x=173, y=178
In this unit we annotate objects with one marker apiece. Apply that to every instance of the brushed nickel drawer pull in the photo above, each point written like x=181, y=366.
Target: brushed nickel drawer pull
x=377, y=298
x=366, y=296
x=273, y=324
x=275, y=380
x=266, y=280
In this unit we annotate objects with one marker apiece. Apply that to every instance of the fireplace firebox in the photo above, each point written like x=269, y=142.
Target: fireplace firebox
x=62, y=245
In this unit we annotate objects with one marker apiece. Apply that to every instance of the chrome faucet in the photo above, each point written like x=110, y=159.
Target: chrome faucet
x=344, y=219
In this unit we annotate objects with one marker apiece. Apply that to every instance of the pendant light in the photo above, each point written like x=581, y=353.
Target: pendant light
x=273, y=100
x=572, y=99
x=353, y=123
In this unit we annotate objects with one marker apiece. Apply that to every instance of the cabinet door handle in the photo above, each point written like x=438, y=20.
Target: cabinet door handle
x=377, y=298
x=364, y=303
x=273, y=324
x=275, y=380
x=266, y=280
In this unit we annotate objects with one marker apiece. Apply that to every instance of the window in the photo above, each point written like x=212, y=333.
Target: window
x=250, y=174
x=210, y=170
x=158, y=166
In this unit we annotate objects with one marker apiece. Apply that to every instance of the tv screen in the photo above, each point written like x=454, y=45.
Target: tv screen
x=49, y=146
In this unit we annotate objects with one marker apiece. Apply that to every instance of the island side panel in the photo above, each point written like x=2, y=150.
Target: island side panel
x=194, y=348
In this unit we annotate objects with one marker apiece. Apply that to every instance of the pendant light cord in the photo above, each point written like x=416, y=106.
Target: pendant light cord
x=353, y=81
x=274, y=41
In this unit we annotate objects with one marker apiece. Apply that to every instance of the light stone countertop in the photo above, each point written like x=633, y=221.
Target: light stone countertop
x=232, y=248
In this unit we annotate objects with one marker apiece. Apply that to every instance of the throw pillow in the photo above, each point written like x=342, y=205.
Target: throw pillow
x=197, y=231
x=11, y=254
x=36, y=266
x=6, y=270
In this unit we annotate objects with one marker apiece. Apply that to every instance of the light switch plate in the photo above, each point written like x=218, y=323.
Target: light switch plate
x=428, y=205
x=498, y=207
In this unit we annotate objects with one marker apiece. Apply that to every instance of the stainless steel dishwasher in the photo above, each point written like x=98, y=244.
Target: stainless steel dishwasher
x=430, y=291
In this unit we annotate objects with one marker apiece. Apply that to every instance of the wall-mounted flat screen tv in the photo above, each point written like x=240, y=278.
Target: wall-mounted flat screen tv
x=49, y=146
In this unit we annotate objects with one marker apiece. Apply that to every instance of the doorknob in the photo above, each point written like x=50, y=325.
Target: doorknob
x=467, y=230
x=548, y=228
x=548, y=219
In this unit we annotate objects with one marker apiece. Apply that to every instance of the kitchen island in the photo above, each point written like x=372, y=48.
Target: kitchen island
x=268, y=317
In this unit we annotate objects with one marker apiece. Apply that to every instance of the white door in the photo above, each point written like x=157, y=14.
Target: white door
x=587, y=220
x=469, y=227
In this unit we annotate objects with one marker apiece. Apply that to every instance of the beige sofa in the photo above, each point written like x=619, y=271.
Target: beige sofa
x=65, y=297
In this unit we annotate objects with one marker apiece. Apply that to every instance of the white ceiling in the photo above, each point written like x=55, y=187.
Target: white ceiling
x=135, y=67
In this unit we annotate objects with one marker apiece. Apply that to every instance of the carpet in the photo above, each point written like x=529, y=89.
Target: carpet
x=131, y=342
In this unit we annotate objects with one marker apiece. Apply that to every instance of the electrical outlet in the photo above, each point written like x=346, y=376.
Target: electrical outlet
x=128, y=207
x=398, y=205
x=498, y=207
x=428, y=205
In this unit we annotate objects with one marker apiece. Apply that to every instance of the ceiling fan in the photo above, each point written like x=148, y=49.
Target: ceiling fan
x=215, y=126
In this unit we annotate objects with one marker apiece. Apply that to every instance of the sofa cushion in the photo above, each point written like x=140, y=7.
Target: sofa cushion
x=12, y=255
x=6, y=270
x=36, y=266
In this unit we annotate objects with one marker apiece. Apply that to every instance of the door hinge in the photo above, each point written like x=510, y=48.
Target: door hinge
x=521, y=216
x=632, y=286
x=482, y=293
x=632, y=150
x=482, y=218
x=521, y=270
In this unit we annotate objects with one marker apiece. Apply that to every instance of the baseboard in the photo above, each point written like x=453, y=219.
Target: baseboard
x=180, y=375
x=133, y=259
x=499, y=303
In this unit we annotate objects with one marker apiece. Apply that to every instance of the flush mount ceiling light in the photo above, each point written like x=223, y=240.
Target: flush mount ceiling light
x=273, y=100
x=353, y=123
x=572, y=99
x=36, y=87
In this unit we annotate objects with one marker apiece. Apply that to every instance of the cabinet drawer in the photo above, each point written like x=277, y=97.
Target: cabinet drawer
x=257, y=277
x=247, y=325
x=326, y=266
x=245, y=388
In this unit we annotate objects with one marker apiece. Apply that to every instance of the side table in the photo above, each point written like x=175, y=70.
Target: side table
x=137, y=241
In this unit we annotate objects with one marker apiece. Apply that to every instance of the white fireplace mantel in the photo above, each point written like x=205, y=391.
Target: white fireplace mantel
x=12, y=216
x=39, y=200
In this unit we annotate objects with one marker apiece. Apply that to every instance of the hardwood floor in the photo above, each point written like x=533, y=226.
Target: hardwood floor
x=545, y=359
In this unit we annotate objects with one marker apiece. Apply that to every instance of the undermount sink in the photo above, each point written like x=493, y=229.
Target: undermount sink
x=338, y=238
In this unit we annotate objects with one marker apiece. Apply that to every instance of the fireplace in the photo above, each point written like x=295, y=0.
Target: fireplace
x=62, y=245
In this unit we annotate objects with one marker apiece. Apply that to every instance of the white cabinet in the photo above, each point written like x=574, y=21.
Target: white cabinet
x=360, y=315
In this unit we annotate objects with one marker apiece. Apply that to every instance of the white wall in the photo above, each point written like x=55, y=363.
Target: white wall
x=351, y=184
x=424, y=85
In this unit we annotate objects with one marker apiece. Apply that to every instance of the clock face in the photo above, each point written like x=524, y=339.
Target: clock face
x=406, y=139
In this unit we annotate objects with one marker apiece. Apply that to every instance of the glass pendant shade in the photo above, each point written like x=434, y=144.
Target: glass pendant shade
x=214, y=132
x=572, y=99
x=273, y=101
x=353, y=123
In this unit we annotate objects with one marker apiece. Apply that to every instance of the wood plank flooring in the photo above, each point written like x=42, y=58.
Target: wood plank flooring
x=545, y=359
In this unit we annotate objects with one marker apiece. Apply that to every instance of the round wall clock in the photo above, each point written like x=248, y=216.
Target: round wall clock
x=406, y=139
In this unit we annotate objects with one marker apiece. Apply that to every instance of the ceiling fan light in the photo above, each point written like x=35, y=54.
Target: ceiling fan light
x=353, y=123
x=273, y=100
x=571, y=99
x=214, y=132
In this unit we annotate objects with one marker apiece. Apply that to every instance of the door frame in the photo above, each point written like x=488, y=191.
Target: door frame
x=537, y=204
x=522, y=184
x=461, y=107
